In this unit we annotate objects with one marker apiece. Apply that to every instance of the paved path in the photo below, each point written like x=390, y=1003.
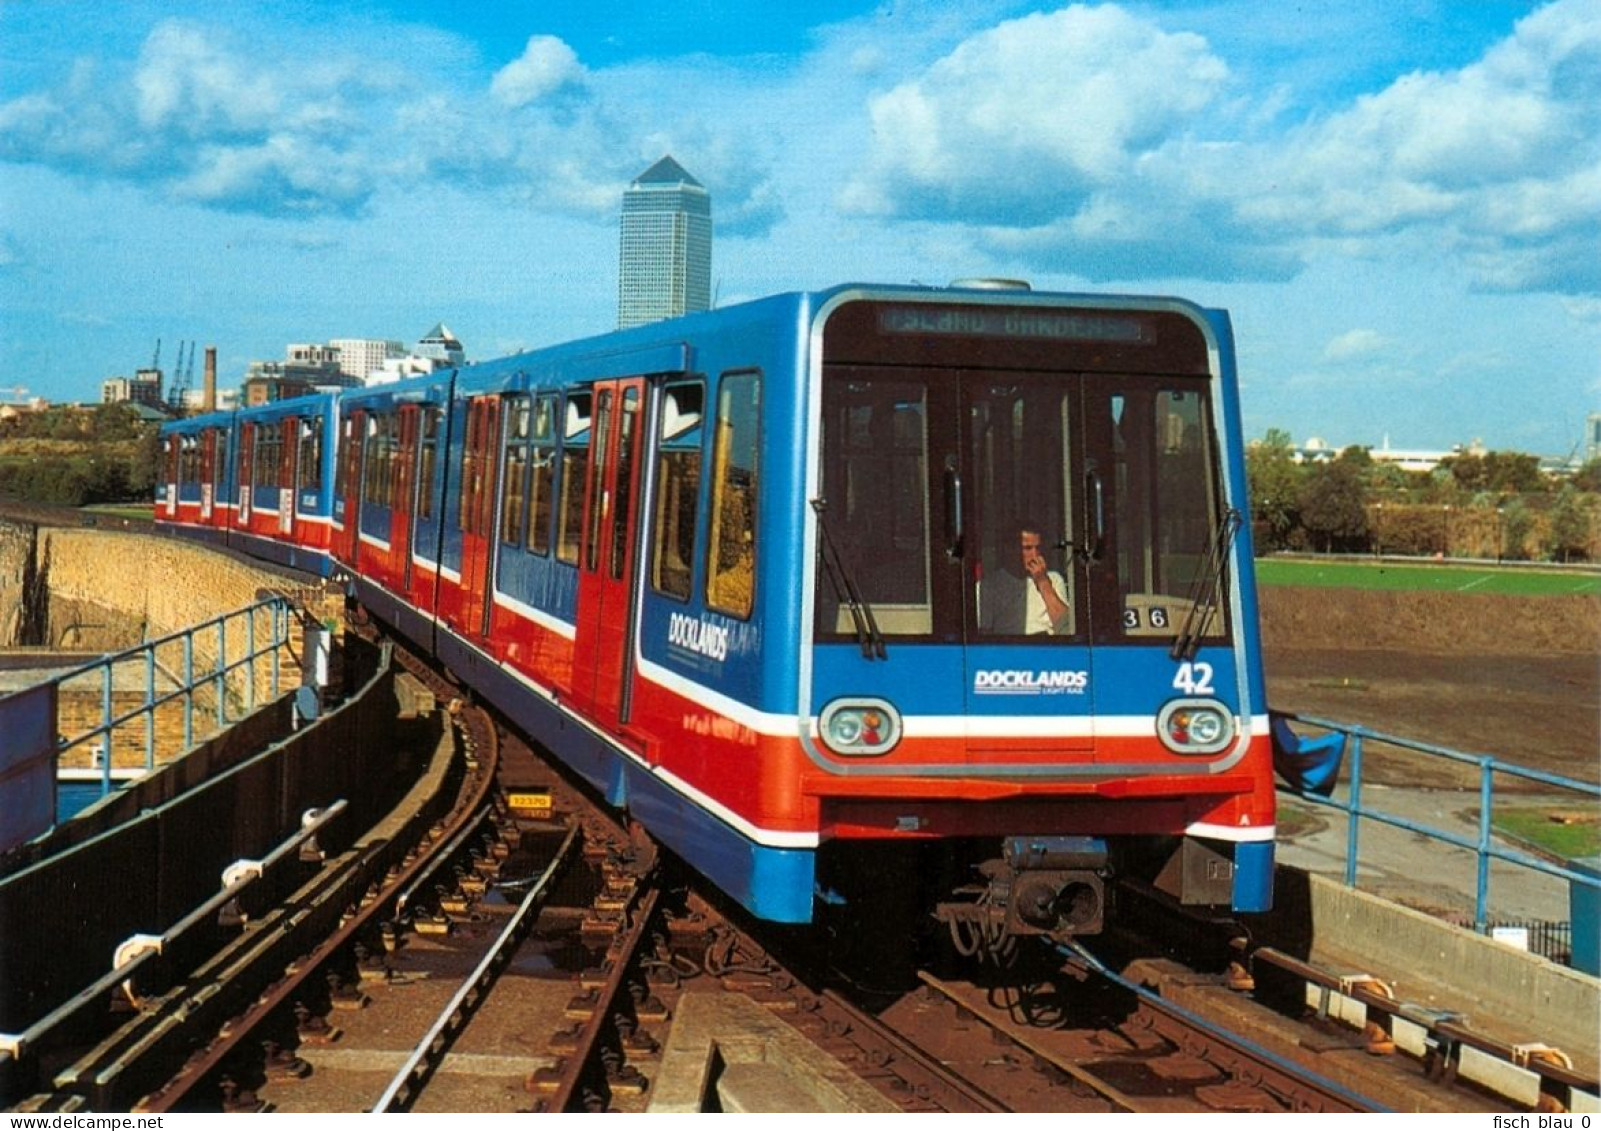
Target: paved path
x=1414, y=870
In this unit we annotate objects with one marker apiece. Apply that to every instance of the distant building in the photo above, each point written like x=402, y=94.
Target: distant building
x=1592, y=436
x=1316, y=450
x=144, y=387
x=440, y=345
x=400, y=368
x=226, y=400
x=360, y=358
x=270, y=381
x=665, y=257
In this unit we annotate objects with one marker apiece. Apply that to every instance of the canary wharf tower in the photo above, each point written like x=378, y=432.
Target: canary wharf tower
x=666, y=256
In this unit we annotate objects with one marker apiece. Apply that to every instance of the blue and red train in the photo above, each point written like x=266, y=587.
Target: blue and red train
x=928, y=596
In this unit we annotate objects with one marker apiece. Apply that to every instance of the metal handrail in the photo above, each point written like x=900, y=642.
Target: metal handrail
x=136, y=951
x=1483, y=845
x=216, y=676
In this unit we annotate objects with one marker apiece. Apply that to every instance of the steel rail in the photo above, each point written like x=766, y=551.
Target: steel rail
x=284, y=990
x=428, y=1053
x=923, y=1075
x=143, y=948
x=1307, y=1090
x=623, y=952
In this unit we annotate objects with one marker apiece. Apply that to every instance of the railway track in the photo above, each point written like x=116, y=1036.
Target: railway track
x=501, y=944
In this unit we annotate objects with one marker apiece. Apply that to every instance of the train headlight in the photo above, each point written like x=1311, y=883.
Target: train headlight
x=862, y=728
x=1195, y=726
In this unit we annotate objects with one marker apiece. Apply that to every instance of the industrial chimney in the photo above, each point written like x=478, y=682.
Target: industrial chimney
x=208, y=401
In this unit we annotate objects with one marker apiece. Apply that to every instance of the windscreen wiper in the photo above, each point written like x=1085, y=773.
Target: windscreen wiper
x=1203, y=590
x=867, y=634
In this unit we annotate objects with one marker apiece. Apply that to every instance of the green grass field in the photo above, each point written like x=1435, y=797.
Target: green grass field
x=123, y=510
x=1574, y=839
x=1440, y=577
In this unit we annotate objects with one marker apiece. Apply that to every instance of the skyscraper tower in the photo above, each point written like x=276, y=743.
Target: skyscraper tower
x=666, y=254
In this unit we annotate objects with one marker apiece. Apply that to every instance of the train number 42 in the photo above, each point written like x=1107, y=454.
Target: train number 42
x=1194, y=678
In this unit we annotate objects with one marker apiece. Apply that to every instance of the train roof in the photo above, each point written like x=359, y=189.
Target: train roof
x=664, y=346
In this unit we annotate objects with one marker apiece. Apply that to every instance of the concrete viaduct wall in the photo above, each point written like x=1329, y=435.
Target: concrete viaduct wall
x=110, y=589
x=93, y=590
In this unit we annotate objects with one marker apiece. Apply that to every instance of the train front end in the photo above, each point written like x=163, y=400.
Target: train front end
x=1033, y=662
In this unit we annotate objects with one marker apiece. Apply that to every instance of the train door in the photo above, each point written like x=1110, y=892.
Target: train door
x=288, y=453
x=603, y=647
x=952, y=499
x=247, y=472
x=405, y=494
x=477, y=515
x=208, y=473
x=1033, y=501
x=427, y=518
x=173, y=462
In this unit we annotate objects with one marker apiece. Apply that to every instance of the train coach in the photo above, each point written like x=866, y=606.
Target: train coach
x=872, y=598
x=258, y=479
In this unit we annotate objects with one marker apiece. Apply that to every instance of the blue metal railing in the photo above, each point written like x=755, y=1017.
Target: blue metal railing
x=192, y=662
x=1483, y=845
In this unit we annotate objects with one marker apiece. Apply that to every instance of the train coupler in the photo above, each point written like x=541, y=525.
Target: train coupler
x=1053, y=886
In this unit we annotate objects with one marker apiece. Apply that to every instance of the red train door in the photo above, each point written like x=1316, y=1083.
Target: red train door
x=603, y=647
x=288, y=450
x=478, y=512
x=247, y=474
x=208, y=473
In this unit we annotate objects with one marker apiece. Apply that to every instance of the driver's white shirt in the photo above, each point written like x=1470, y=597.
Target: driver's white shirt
x=1035, y=617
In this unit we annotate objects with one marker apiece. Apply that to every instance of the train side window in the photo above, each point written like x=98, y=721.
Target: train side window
x=512, y=511
x=427, y=459
x=310, y=454
x=288, y=449
x=379, y=461
x=268, y=457
x=677, y=489
x=543, y=458
x=731, y=541
x=219, y=465
x=574, y=465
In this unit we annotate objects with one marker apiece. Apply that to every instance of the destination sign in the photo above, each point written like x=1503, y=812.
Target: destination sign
x=995, y=322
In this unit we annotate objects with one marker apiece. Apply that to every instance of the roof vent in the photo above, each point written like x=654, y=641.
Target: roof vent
x=990, y=284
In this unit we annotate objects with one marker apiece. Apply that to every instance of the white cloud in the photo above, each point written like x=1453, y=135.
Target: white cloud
x=1354, y=343
x=1032, y=115
x=546, y=65
x=1096, y=143
x=1499, y=162
x=184, y=81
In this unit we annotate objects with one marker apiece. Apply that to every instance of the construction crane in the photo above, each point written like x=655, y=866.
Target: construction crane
x=180, y=378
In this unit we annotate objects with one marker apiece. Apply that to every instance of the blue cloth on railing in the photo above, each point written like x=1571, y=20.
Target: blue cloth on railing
x=1307, y=765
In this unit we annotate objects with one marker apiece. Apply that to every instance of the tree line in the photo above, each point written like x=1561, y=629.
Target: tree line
x=72, y=456
x=1497, y=505
x=1494, y=504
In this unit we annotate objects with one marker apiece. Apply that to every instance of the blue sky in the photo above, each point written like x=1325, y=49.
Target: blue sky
x=1399, y=201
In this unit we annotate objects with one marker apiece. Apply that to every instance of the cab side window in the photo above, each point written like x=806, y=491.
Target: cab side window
x=731, y=541
x=672, y=559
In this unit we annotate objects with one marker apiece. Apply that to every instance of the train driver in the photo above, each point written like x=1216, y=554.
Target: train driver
x=1030, y=599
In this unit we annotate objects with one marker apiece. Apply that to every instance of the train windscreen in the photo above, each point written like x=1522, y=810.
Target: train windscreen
x=967, y=497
